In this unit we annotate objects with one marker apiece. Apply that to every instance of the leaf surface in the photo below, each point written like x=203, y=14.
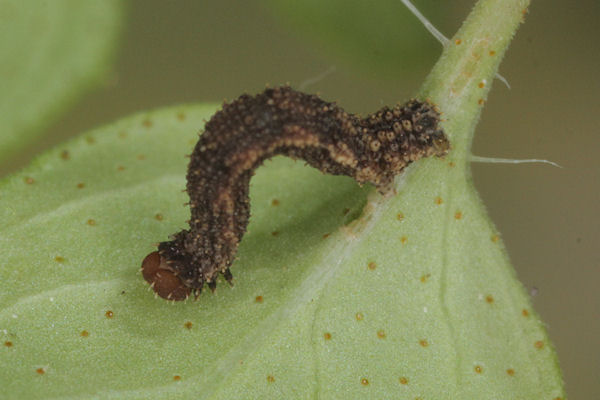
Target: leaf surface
x=417, y=288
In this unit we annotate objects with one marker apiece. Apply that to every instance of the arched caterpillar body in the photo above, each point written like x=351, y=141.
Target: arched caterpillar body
x=251, y=129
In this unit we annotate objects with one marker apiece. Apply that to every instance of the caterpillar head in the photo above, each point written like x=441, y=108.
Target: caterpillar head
x=163, y=280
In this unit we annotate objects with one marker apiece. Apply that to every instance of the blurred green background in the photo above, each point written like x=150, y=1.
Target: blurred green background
x=191, y=51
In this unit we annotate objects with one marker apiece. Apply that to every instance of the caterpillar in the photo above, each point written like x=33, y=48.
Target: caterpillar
x=279, y=121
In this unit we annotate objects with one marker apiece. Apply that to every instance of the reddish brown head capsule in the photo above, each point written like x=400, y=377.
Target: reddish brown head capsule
x=162, y=280
x=279, y=121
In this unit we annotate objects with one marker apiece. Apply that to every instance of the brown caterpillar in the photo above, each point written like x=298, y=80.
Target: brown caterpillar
x=251, y=129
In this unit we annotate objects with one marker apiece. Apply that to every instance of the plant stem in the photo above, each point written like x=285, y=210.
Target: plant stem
x=461, y=79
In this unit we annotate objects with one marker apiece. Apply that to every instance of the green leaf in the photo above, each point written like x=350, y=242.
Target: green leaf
x=382, y=36
x=339, y=292
x=50, y=52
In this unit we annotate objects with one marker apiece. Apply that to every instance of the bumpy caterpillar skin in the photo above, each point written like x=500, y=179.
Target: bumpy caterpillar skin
x=252, y=129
